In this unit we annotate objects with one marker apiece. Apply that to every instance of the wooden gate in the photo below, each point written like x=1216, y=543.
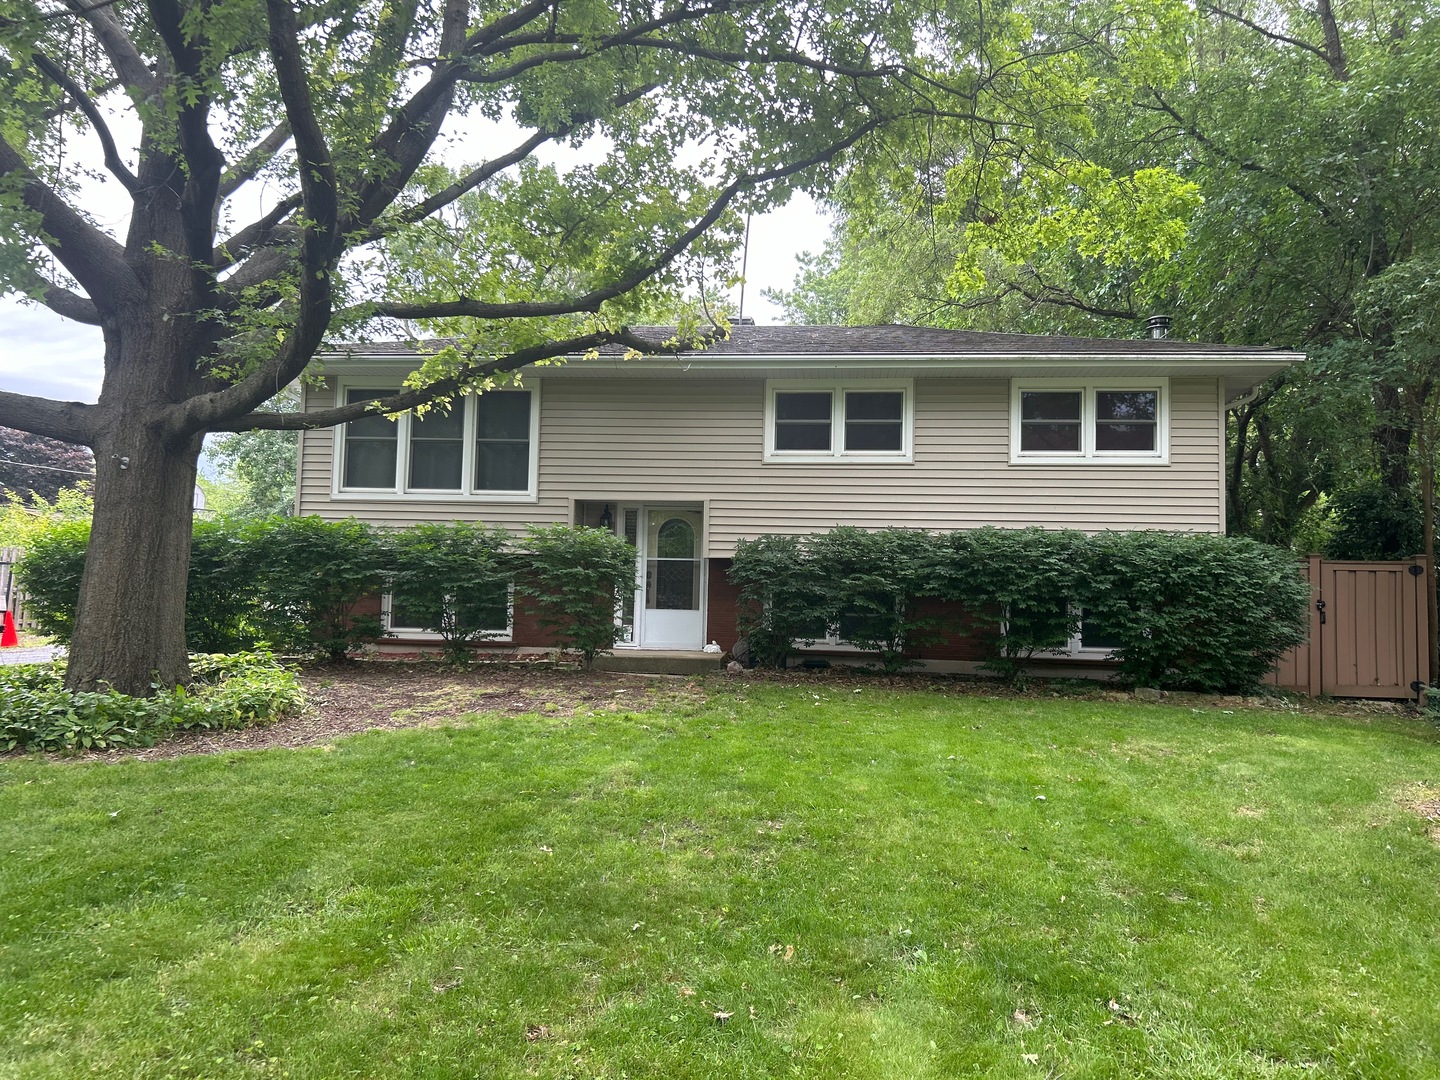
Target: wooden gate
x=1368, y=634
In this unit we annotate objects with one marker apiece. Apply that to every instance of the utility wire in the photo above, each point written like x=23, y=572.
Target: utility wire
x=47, y=468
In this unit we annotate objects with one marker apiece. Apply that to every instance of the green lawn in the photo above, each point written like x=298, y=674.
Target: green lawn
x=771, y=881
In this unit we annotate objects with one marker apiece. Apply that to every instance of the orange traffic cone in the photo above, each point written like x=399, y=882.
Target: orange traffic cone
x=8, y=637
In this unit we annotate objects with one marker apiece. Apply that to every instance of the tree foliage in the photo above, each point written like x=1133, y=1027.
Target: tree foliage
x=260, y=464
x=32, y=466
x=1267, y=174
x=290, y=183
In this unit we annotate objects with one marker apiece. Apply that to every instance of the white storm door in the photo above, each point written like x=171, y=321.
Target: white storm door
x=672, y=584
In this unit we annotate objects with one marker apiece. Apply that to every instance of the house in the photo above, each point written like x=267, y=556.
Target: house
x=793, y=429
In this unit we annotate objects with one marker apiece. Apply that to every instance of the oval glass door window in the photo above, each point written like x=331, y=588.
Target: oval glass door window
x=672, y=572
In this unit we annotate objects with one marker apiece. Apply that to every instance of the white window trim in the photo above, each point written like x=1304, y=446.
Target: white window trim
x=420, y=633
x=1087, y=454
x=838, y=389
x=402, y=452
x=832, y=642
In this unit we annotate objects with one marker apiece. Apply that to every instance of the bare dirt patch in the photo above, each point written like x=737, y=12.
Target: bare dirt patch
x=1423, y=800
x=345, y=699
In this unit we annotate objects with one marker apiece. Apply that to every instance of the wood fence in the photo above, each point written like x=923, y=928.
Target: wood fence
x=12, y=599
x=1369, y=635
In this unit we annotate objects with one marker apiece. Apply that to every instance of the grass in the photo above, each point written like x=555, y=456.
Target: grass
x=759, y=881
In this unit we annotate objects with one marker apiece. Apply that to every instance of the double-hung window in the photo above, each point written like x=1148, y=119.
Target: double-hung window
x=817, y=422
x=1111, y=420
x=484, y=447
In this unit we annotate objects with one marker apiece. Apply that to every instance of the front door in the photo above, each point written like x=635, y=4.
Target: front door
x=672, y=585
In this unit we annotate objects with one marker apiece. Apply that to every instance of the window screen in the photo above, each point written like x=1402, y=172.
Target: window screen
x=1125, y=420
x=371, y=445
x=437, y=449
x=502, y=441
x=1050, y=421
x=875, y=420
x=802, y=420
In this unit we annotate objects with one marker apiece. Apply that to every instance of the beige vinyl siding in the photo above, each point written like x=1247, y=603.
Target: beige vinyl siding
x=674, y=440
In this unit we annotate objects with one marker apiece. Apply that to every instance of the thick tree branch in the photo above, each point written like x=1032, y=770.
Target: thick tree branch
x=408, y=141
x=448, y=67
x=69, y=304
x=254, y=159
x=319, y=242
x=124, y=57
x=267, y=230
x=1336, y=62
x=68, y=421
x=93, y=259
x=477, y=176
x=1243, y=164
x=113, y=161
x=593, y=300
x=203, y=159
x=467, y=374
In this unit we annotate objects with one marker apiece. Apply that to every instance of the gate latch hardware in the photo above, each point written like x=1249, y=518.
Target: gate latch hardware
x=1320, y=607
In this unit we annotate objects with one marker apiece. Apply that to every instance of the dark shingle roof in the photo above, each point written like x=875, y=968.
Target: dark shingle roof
x=759, y=341
x=924, y=341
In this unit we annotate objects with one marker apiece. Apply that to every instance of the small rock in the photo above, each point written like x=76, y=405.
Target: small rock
x=1148, y=693
x=734, y=667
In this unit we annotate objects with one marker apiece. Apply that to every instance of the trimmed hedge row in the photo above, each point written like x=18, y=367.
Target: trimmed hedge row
x=1183, y=610
x=293, y=583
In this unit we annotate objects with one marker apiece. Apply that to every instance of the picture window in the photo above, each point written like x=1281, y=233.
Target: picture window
x=481, y=446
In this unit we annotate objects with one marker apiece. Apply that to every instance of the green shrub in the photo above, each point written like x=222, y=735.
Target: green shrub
x=780, y=604
x=50, y=570
x=1195, y=611
x=1201, y=612
x=220, y=593
x=453, y=580
x=1020, y=584
x=573, y=579
x=871, y=582
x=38, y=713
x=219, y=596
x=309, y=574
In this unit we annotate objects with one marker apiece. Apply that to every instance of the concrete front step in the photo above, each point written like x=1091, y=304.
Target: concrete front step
x=657, y=662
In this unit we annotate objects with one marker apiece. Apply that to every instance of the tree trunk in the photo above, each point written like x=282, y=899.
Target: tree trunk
x=1392, y=438
x=130, y=622
x=130, y=619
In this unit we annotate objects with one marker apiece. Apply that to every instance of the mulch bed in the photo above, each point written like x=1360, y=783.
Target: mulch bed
x=385, y=695
x=365, y=696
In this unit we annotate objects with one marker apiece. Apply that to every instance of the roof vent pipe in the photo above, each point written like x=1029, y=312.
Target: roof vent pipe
x=1158, y=326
